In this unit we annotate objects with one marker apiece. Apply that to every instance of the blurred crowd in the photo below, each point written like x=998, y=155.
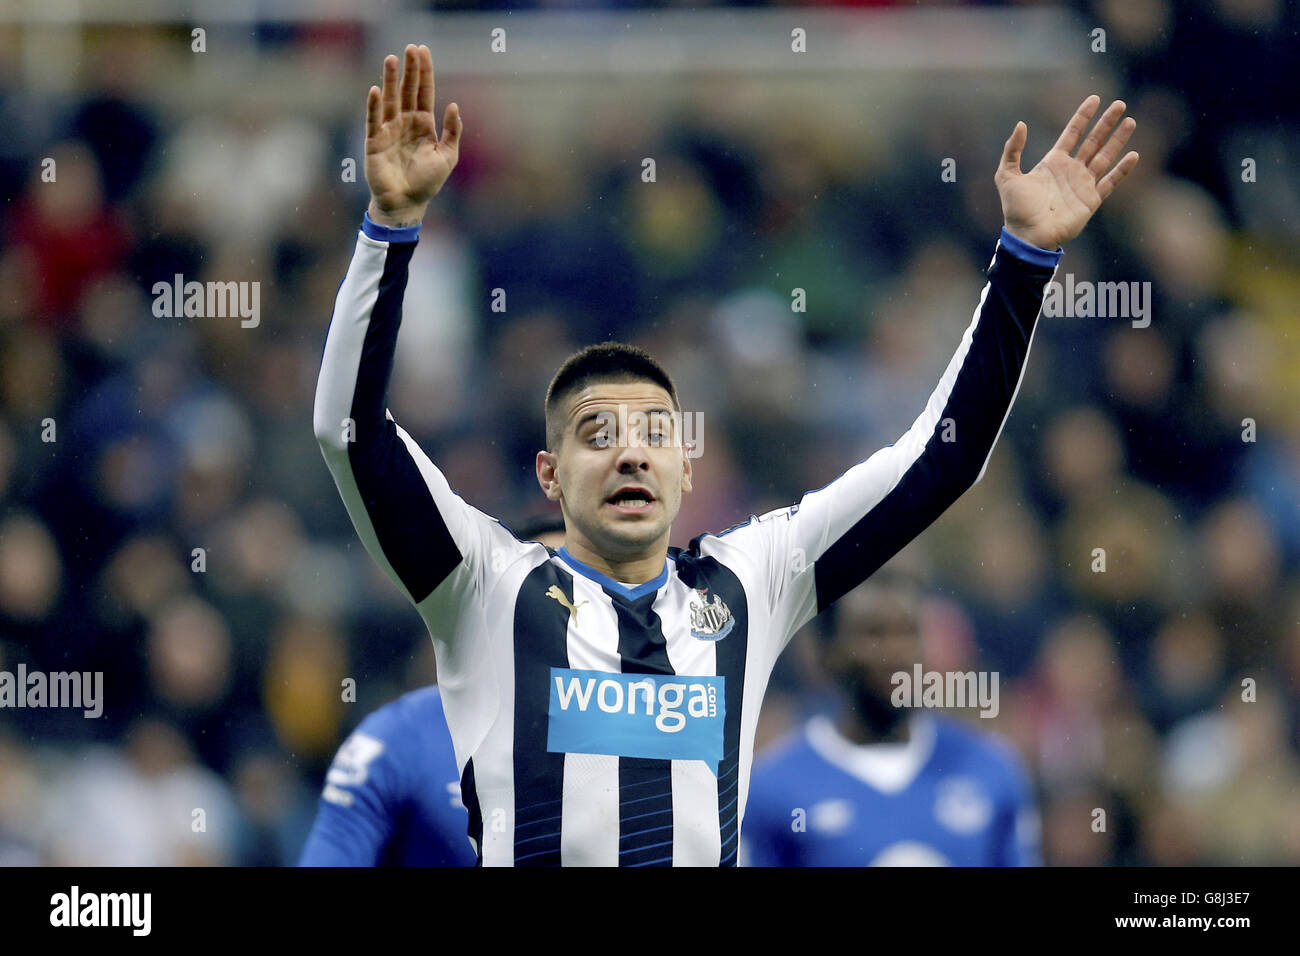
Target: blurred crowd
x=182, y=534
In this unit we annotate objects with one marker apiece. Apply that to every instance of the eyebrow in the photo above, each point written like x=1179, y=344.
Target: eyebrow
x=591, y=416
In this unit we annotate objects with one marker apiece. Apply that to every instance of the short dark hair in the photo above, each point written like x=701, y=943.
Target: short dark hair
x=606, y=361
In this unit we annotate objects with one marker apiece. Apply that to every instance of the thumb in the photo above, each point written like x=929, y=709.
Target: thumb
x=1015, y=145
x=451, y=126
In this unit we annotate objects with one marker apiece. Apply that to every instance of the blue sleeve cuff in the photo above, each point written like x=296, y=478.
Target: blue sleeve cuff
x=1032, y=254
x=390, y=234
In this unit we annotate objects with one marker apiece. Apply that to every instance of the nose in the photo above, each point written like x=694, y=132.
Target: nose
x=632, y=456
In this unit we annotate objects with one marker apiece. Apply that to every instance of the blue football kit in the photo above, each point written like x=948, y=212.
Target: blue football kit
x=392, y=794
x=948, y=796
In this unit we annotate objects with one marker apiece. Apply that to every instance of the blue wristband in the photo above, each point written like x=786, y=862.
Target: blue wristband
x=390, y=233
x=1030, y=253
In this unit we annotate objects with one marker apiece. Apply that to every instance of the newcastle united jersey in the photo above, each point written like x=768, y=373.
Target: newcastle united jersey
x=596, y=723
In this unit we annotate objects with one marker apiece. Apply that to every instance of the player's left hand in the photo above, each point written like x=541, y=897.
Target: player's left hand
x=1049, y=205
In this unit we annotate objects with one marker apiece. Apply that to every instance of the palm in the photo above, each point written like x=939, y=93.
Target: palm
x=406, y=164
x=1052, y=203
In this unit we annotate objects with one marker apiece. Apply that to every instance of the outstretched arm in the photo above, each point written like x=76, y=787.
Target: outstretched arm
x=408, y=518
x=837, y=536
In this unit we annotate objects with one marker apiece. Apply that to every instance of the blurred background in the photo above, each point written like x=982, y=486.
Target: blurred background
x=774, y=170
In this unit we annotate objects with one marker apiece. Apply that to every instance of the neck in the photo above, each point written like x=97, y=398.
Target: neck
x=637, y=570
x=872, y=721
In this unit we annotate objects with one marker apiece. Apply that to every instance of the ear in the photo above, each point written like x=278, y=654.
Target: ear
x=686, y=467
x=547, y=475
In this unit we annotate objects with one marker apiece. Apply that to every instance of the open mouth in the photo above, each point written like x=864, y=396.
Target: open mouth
x=631, y=499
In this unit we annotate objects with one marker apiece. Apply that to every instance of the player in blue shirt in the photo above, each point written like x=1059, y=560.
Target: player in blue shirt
x=392, y=797
x=392, y=794
x=881, y=785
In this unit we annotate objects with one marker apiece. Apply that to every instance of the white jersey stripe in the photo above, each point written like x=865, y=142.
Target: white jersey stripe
x=589, y=835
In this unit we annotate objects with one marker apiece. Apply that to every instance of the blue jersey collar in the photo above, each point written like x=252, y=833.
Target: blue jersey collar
x=605, y=581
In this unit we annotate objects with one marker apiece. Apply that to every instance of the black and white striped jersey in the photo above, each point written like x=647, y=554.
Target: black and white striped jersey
x=600, y=724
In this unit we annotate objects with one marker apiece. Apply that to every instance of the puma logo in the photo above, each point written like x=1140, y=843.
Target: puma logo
x=554, y=592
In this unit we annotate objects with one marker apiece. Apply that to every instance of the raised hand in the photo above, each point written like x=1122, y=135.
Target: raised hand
x=406, y=163
x=1050, y=204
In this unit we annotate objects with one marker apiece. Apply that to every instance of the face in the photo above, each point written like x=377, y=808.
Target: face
x=621, y=469
x=877, y=635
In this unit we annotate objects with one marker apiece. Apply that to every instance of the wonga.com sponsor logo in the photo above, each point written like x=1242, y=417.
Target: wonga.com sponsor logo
x=668, y=717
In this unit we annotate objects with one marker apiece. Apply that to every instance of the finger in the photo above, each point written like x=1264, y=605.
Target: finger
x=424, y=100
x=390, y=88
x=1101, y=132
x=451, y=127
x=410, y=78
x=1116, y=175
x=373, y=107
x=1011, y=150
x=1069, y=137
x=1101, y=162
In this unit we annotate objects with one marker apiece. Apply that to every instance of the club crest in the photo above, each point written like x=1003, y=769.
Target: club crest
x=710, y=620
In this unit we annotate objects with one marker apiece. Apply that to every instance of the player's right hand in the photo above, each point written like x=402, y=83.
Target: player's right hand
x=406, y=163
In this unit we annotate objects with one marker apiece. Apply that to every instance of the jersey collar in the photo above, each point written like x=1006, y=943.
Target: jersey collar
x=605, y=581
x=889, y=768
